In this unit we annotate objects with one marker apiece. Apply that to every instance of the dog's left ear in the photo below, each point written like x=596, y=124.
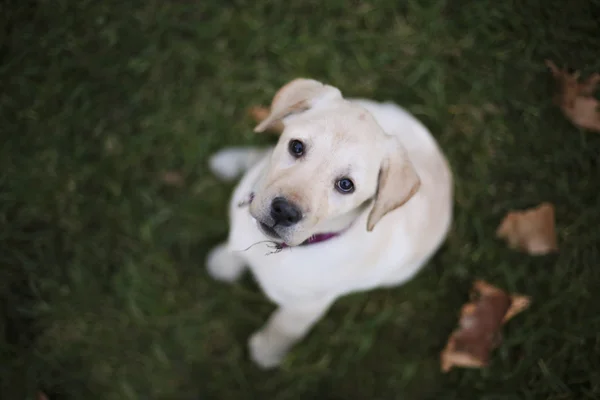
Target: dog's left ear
x=398, y=182
x=297, y=96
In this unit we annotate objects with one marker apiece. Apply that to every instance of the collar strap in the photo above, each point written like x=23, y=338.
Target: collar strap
x=318, y=238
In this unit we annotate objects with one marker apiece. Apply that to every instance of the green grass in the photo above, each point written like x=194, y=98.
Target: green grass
x=103, y=292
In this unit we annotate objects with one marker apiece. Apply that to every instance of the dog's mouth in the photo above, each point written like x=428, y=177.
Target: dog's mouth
x=268, y=230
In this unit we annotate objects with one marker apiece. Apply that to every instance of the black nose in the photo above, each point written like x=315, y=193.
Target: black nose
x=284, y=213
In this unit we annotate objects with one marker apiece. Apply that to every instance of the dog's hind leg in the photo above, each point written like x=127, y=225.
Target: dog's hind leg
x=231, y=162
x=223, y=265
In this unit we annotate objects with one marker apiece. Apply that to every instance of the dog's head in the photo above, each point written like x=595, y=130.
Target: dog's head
x=331, y=158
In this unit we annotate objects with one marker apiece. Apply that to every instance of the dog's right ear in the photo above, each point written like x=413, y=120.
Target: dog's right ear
x=297, y=96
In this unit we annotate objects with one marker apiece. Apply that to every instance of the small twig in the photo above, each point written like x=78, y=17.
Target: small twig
x=277, y=247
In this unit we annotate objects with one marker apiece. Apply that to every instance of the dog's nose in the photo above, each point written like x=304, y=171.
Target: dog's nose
x=284, y=213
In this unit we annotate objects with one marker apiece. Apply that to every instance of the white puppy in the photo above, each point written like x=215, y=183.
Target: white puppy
x=355, y=195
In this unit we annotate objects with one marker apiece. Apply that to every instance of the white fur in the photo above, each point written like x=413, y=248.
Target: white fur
x=304, y=281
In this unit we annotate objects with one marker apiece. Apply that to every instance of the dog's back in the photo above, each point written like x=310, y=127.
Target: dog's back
x=426, y=219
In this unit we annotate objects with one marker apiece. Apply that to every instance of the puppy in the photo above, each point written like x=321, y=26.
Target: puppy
x=355, y=195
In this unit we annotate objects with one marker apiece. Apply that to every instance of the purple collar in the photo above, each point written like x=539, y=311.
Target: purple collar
x=318, y=238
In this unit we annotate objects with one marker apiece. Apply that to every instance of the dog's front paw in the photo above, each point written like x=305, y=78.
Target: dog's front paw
x=222, y=265
x=225, y=164
x=264, y=354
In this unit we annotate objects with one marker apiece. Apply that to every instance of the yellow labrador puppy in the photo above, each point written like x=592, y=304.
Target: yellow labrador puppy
x=355, y=195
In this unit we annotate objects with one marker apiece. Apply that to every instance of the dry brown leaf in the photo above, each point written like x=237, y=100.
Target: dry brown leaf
x=260, y=113
x=41, y=396
x=575, y=98
x=480, y=324
x=585, y=113
x=588, y=87
x=532, y=230
x=172, y=178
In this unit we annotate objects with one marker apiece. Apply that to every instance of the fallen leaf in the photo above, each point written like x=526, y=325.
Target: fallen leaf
x=41, y=396
x=575, y=98
x=260, y=113
x=531, y=230
x=480, y=323
x=172, y=178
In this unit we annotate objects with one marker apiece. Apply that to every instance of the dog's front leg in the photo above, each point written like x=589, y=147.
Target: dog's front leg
x=227, y=164
x=285, y=327
x=224, y=265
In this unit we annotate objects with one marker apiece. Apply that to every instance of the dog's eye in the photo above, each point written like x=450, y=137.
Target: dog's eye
x=344, y=185
x=296, y=148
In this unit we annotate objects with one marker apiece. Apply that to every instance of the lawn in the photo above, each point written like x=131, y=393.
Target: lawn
x=103, y=292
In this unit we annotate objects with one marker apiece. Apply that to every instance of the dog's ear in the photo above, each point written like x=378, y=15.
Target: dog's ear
x=297, y=96
x=398, y=182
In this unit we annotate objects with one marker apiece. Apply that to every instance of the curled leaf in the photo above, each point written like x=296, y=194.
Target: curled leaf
x=480, y=324
x=575, y=98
